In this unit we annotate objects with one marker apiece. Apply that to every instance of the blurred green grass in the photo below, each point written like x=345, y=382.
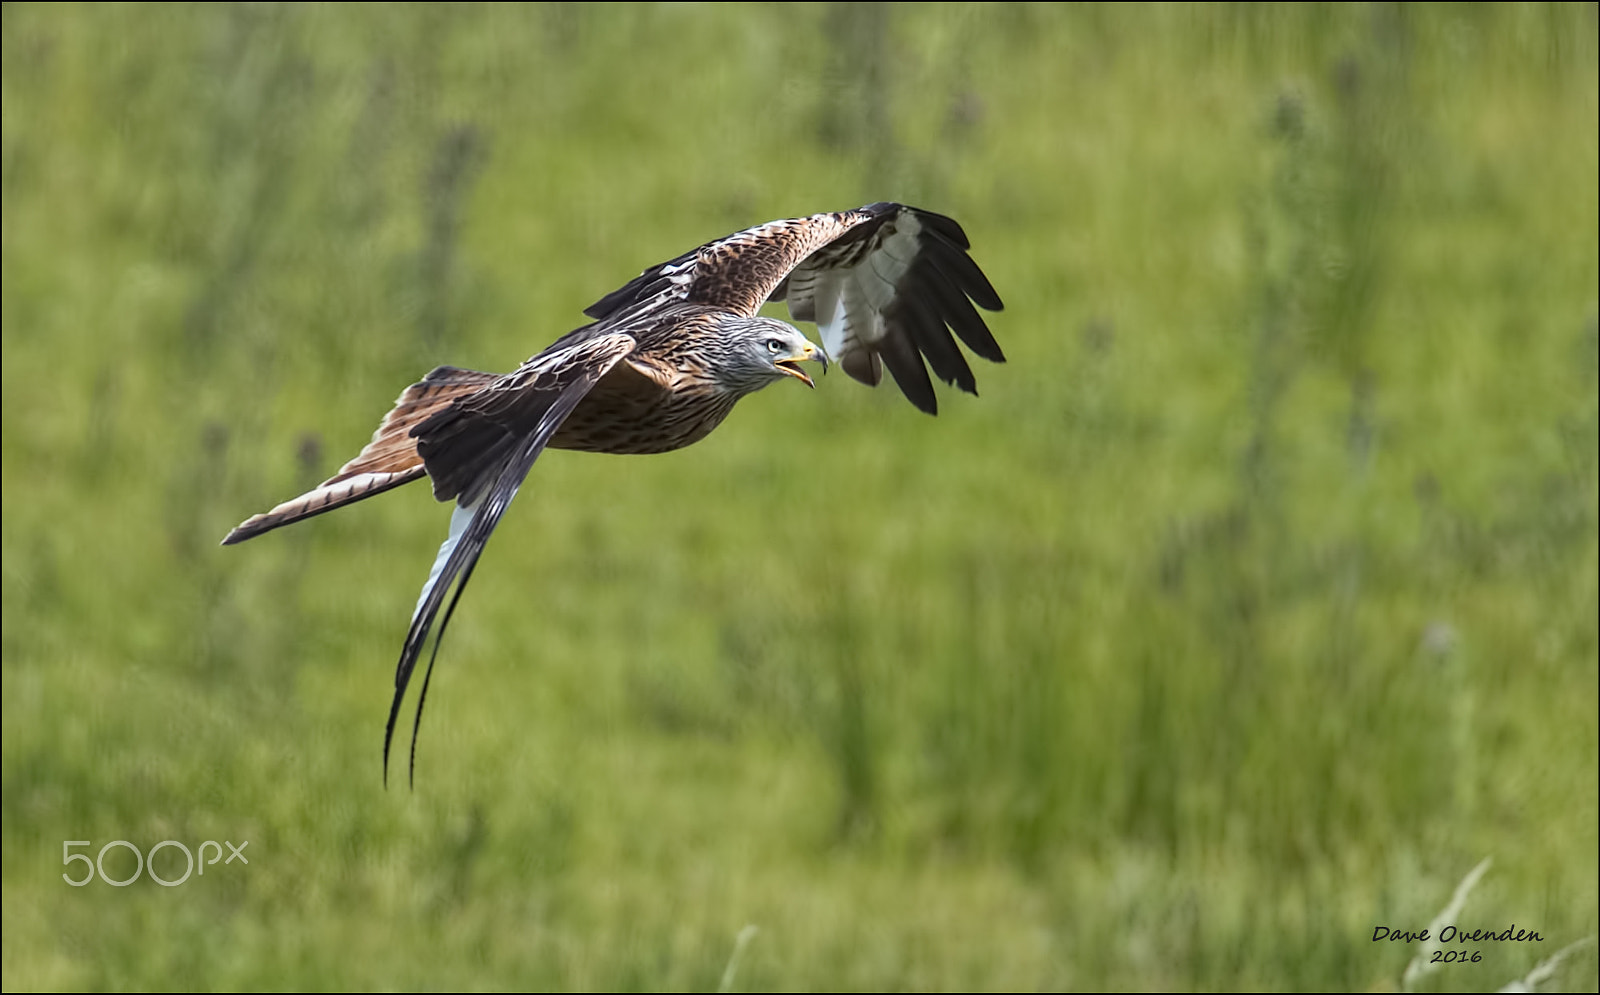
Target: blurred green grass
x=1251, y=605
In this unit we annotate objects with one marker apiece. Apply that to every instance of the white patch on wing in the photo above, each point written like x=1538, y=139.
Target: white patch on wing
x=848, y=303
x=863, y=318
x=460, y=519
x=827, y=312
x=886, y=265
x=681, y=275
x=800, y=295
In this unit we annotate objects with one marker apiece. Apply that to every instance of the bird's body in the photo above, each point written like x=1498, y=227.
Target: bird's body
x=663, y=363
x=656, y=401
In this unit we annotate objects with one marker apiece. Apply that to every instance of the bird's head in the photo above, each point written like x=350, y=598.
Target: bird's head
x=760, y=351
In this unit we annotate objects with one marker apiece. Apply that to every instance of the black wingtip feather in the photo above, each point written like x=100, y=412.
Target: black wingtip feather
x=964, y=273
x=905, y=365
x=928, y=334
x=957, y=311
x=946, y=227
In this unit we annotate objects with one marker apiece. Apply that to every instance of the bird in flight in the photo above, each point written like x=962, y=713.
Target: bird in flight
x=662, y=363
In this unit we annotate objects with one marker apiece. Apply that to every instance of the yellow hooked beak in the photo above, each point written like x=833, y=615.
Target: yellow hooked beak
x=791, y=365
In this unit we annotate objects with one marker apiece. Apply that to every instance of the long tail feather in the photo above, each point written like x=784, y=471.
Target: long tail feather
x=388, y=461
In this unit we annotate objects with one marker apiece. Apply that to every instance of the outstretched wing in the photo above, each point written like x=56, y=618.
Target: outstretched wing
x=478, y=451
x=890, y=291
x=885, y=284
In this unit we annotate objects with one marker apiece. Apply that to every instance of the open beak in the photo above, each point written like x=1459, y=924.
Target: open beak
x=811, y=353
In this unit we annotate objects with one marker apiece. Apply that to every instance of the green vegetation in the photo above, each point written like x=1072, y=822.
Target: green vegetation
x=1251, y=606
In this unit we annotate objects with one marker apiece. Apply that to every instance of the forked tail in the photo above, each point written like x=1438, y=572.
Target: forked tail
x=388, y=461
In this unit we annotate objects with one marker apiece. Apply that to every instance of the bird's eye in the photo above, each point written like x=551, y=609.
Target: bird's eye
x=774, y=346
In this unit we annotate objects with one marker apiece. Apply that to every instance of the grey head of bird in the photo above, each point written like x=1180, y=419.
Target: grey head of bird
x=755, y=352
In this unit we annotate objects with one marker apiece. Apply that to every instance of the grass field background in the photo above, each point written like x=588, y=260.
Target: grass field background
x=1250, y=607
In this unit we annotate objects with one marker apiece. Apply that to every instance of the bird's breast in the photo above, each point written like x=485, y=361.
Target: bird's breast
x=642, y=421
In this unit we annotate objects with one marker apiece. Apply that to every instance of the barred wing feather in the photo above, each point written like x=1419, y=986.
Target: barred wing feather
x=886, y=285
